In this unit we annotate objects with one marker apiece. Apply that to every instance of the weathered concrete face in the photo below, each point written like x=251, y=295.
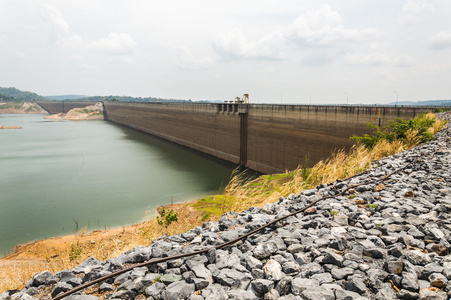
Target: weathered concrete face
x=54, y=107
x=197, y=126
x=266, y=138
x=280, y=136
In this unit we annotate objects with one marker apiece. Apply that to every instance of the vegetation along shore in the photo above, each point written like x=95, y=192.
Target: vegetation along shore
x=67, y=252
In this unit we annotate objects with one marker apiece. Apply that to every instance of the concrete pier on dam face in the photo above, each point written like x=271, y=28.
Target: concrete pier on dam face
x=265, y=138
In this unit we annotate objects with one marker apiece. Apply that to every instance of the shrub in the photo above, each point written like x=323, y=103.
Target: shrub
x=167, y=218
x=412, y=132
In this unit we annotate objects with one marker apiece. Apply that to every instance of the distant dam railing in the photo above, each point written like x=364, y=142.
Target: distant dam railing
x=269, y=138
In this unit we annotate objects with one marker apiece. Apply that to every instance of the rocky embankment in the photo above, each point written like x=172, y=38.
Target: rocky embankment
x=91, y=112
x=383, y=239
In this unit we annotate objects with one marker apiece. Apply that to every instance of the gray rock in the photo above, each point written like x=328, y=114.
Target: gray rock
x=178, y=290
x=214, y=292
x=375, y=252
x=170, y=278
x=332, y=258
x=155, y=290
x=417, y=257
x=299, y=285
x=201, y=272
x=410, y=282
x=233, y=279
x=106, y=287
x=124, y=294
x=323, y=278
x=289, y=297
x=318, y=294
x=76, y=281
x=83, y=297
x=438, y=280
x=252, y=263
x=200, y=283
x=342, y=273
x=272, y=295
x=311, y=269
x=408, y=295
x=429, y=269
x=262, y=286
x=87, y=265
x=241, y=295
x=345, y=295
x=432, y=295
x=122, y=278
x=283, y=287
x=291, y=268
x=273, y=270
x=264, y=250
x=44, y=278
x=356, y=284
x=394, y=267
x=175, y=263
x=21, y=296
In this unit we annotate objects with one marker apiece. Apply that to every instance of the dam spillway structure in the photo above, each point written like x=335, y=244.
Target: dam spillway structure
x=269, y=138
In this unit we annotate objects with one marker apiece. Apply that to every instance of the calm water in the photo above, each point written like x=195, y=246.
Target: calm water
x=55, y=173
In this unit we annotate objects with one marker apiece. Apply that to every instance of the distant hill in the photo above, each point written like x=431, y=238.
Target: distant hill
x=4, y=97
x=424, y=103
x=20, y=95
x=66, y=97
x=129, y=99
x=15, y=94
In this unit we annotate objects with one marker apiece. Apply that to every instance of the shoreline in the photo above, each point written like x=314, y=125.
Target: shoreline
x=66, y=252
x=25, y=249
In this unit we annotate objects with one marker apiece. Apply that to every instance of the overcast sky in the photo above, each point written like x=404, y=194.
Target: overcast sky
x=284, y=51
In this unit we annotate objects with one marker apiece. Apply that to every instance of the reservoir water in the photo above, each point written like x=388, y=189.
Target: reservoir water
x=54, y=174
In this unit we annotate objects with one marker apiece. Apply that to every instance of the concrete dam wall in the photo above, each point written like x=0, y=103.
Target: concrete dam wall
x=266, y=138
x=54, y=107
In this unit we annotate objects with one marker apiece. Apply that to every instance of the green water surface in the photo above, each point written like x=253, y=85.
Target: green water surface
x=55, y=174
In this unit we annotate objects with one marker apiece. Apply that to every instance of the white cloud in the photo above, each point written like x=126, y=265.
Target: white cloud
x=415, y=11
x=116, y=43
x=235, y=46
x=186, y=60
x=374, y=58
x=441, y=40
x=74, y=42
x=377, y=54
x=323, y=28
x=55, y=18
x=377, y=59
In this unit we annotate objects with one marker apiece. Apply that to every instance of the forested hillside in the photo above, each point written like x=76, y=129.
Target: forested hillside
x=19, y=95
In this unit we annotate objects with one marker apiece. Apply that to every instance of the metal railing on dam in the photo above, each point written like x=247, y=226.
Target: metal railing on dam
x=270, y=138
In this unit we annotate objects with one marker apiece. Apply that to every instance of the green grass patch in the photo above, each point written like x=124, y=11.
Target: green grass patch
x=213, y=205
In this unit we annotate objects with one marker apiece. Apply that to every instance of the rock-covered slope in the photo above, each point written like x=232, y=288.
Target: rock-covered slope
x=388, y=239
